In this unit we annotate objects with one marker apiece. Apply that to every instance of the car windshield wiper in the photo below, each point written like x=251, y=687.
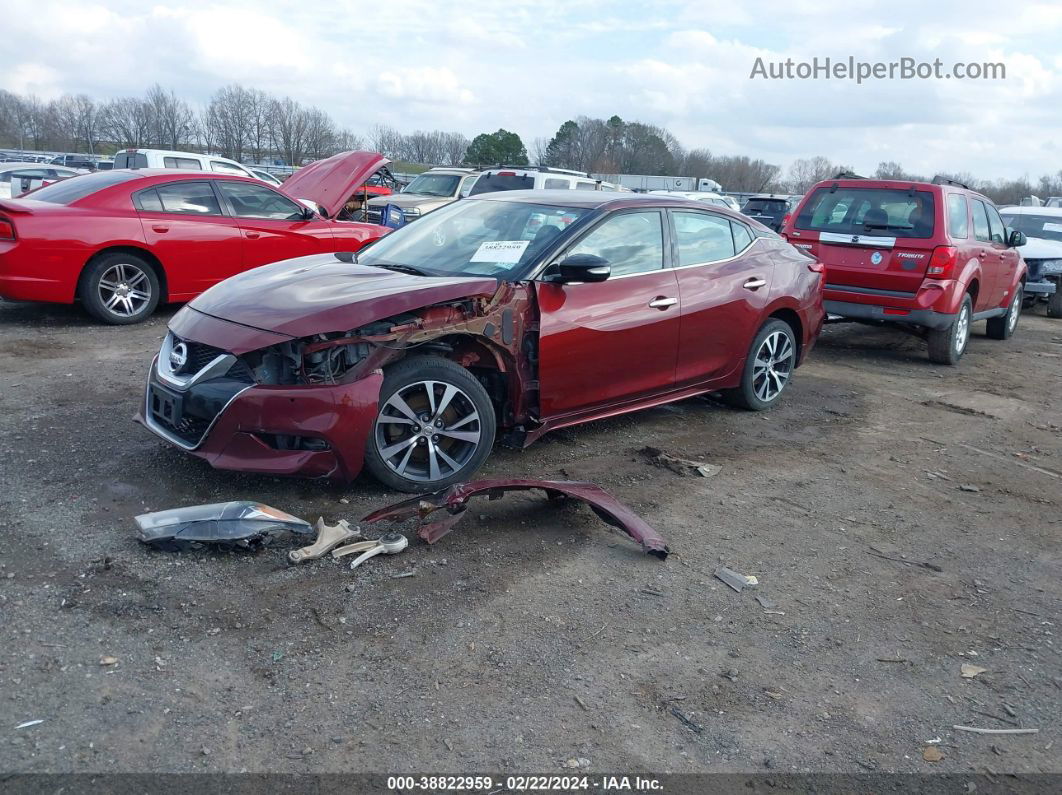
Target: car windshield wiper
x=397, y=266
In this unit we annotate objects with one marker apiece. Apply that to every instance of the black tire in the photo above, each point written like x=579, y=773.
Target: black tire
x=120, y=289
x=410, y=466
x=1000, y=328
x=751, y=394
x=1054, y=301
x=947, y=345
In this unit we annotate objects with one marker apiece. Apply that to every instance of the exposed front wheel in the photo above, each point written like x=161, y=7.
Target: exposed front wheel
x=768, y=368
x=947, y=345
x=434, y=427
x=1054, y=301
x=1000, y=328
x=120, y=289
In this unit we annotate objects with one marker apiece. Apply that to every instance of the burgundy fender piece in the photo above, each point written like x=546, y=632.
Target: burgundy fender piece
x=455, y=501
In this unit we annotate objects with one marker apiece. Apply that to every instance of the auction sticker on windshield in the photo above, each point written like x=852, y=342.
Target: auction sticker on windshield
x=507, y=252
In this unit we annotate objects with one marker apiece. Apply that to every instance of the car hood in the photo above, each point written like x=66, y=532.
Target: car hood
x=330, y=182
x=319, y=294
x=1041, y=248
x=405, y=200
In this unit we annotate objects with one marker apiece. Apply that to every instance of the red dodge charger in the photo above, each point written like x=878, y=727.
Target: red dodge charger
x=509, y=313
x=123, y=241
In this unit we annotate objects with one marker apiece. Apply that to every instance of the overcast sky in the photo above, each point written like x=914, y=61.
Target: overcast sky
x=477, y=65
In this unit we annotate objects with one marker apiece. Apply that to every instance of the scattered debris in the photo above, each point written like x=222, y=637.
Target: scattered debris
x=29, y=723
x=977, y=730
x=404, y=574
x=581, y=703
x=680, y=466
x=922, y=563
x=245, y=525
x=389, y=544
x=455, y=502
x=969, y=487
x=108, y=660
x=577, y=763
x=892, y=659
x=652, y=592
x=329, y=536
x=735, y=580
x=765, y=603
x=968, y=671
x=932, y=754
x=696, y=728
x=732, y=674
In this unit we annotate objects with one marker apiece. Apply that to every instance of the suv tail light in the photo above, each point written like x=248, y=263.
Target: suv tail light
x=7, y=230
x=785, y=219
x=942, y=262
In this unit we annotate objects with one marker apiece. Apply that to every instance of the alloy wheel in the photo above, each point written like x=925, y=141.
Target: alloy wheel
x=124, y=289
x=1015, y=310
x=773, y=365
x=962, y=329
x=427, y=431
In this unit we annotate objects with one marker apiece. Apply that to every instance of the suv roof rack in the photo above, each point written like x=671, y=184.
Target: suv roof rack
x=548, y=169
x=942, y=180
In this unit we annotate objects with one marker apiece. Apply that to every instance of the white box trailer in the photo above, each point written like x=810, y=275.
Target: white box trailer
x=643, y=183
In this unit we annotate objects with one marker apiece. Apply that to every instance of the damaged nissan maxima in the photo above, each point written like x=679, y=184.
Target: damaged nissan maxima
x=505, y=315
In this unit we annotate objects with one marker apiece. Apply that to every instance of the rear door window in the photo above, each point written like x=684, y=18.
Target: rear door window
x=958, y=220
x=226, y=168
x=189, y=163
x=980, y=222
x=188, y=198
x=489, y=183
x=702, y=238
x=742, y=236
x=869, y=211
x=556, y=184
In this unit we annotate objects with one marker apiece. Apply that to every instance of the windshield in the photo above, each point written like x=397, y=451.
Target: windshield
x=433, y=185
x=869, y=211
x=1047, y=227
x=474, y=238
x=70, y=190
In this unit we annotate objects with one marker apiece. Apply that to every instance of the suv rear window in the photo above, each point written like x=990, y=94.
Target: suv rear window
x=488, y=183
x=70, y=190
x=869, y=211
x=130, y=160
x=765, y=205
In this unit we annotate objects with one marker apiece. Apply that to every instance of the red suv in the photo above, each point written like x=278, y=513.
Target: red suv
x=933, y=256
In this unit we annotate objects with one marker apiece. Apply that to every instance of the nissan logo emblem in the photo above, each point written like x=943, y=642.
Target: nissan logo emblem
x=178, y=356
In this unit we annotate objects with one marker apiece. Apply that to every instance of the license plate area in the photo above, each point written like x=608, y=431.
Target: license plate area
x=166, y=407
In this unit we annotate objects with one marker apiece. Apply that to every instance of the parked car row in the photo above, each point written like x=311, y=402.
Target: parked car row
x=520, y=301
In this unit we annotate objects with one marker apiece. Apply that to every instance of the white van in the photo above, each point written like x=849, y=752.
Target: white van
x=536, y=178
x=163, y=158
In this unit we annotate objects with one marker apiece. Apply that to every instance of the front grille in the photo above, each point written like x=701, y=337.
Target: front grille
x=373, y=217
x=200, y=355
x=189, y=429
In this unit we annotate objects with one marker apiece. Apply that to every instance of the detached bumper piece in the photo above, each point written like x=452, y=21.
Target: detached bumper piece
x=454, y=502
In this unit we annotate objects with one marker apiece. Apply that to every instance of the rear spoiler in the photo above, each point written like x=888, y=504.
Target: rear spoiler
x=15, y=206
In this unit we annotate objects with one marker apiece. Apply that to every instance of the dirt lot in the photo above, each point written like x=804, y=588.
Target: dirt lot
x=533, y=635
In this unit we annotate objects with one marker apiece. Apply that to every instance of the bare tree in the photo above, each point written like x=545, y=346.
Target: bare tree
x=805, y=172
x=229, y=118
x=125, y=122
x=288, y=123
x=172, y=120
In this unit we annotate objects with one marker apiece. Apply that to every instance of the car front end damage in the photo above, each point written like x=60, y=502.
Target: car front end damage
x=261, y=401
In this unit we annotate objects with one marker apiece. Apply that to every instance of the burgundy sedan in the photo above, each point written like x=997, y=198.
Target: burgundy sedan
x=123, y=241
x=505, y=314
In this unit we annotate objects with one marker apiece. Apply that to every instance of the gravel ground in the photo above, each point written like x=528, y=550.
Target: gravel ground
x=533, y=637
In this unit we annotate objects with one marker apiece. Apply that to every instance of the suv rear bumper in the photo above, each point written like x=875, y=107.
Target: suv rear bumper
x=881, y=314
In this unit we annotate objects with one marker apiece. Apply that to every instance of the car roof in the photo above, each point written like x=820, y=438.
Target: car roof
x=597, y=199
x=14, y=166
x=1016, y=210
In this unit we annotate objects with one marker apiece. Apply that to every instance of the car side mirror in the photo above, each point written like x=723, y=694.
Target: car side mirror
x=1016, y=238
x=584, y=268
x=308, y=214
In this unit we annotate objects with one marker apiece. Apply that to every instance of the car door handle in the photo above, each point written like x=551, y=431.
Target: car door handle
x=160, y=228
x=252, y=235
x=662, y=302
x=754, y=284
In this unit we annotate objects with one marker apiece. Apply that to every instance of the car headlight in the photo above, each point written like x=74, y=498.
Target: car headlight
x=1051, y=266
x=411, y=211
